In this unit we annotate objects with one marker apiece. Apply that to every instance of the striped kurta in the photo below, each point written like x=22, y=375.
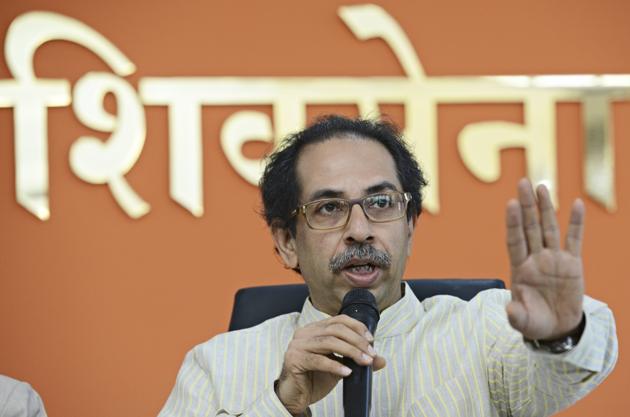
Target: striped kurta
x=445, y=357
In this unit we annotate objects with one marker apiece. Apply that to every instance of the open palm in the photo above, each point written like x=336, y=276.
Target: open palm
x=547, y=280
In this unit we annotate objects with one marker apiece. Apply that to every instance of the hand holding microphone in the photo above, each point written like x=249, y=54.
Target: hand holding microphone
x=311, y=368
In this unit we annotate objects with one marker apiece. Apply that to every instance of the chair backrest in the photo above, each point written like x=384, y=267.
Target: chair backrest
x=254, y=305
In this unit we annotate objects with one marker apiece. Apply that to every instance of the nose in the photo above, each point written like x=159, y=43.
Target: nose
x=359, y=227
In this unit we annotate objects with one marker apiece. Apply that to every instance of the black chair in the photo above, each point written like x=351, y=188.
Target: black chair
x=254, y=305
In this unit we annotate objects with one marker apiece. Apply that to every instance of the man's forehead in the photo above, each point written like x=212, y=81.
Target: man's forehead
x=348, y=166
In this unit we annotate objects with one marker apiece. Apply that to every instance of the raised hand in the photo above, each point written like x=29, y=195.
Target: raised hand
x=547, y=280
x=311, y=370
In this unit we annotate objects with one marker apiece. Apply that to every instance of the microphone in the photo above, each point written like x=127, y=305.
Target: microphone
x=359, y=304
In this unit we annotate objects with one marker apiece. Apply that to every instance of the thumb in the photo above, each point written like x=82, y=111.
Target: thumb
x=379, y=363
x=517, y=316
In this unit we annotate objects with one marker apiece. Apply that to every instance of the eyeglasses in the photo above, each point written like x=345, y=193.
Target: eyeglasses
x=333, y=213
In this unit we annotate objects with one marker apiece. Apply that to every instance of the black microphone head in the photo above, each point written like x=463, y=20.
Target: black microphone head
x=358, y=296
x=360, y=304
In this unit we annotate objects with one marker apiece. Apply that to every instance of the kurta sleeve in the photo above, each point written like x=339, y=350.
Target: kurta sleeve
x=18, y=399
x=195, y=394
x=523, y=382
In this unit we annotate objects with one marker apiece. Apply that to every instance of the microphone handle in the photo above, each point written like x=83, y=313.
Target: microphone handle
x=357, y=387
x=357, y=390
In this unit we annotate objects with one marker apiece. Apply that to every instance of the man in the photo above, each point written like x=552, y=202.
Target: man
x=19, y=399
x=342, y=198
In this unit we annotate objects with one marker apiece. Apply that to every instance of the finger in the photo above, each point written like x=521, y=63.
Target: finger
x=551, y=233
x=325, y=345
x=337, y=327
x=379, y=363
x=340, y=331
x=530, y=216
x=314, y=362
x=516, y=243
x=576, y=228
x=354, y=324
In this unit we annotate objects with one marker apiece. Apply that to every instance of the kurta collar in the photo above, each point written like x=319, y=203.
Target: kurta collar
x=397, y=319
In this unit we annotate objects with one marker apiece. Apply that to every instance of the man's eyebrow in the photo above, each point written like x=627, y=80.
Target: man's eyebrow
x=326, y=193
x=383, y=186
x=332, y=193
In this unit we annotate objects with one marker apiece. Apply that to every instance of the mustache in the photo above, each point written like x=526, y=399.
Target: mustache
x=364, y=252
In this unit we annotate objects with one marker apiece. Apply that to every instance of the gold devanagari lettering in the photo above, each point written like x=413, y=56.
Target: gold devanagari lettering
x=479, y=144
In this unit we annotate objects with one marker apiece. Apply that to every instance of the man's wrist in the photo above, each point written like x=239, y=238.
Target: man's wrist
x=276, y=389
x=558, y=345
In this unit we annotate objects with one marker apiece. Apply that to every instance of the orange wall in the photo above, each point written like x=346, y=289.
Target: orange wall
x=97, y=310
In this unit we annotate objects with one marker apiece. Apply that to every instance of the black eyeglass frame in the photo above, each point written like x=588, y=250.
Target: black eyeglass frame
x=406, y=197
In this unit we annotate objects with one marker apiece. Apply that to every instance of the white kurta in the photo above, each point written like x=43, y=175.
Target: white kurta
x=445, y=357
x=18, y=399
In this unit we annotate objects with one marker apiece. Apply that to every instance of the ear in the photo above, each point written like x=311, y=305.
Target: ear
x=285, y=244
x=411, y=224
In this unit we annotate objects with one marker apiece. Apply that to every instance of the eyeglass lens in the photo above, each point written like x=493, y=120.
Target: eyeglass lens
x=334, y=212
